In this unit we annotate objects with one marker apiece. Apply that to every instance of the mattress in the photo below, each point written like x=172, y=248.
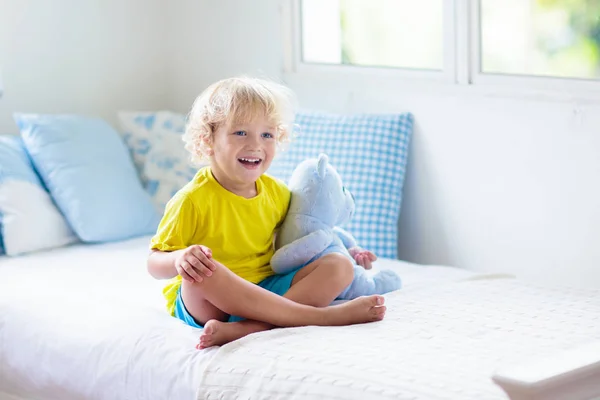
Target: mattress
x=88, y=322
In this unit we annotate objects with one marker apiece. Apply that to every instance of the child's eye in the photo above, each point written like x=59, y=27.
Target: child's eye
x=268, y=135
x=240, y=133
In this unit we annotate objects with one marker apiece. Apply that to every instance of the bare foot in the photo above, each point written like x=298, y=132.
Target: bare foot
x=360, y=310
x=217, y=333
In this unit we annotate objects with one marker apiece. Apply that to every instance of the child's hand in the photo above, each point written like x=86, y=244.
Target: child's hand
x=194, y=263
x=364, y=258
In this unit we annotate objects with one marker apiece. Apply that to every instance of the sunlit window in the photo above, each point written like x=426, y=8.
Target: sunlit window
x=558, y=38
x=378, y=33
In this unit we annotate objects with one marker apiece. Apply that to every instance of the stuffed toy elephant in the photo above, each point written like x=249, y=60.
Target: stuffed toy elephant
x=319, y=203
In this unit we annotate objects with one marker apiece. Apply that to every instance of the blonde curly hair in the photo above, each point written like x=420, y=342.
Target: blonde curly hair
x=237, y=101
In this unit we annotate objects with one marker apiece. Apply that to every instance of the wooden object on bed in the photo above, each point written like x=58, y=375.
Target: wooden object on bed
x=569, y=375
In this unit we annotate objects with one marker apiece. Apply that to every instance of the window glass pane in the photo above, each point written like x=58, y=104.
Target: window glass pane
x=381, y=33
x=558, y=38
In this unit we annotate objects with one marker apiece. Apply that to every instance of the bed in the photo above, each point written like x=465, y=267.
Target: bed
x=88, y=322
x=82, y=321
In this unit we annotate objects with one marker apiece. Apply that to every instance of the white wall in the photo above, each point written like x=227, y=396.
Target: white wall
x=211, y=40
x=494, y=184
x=91, y=57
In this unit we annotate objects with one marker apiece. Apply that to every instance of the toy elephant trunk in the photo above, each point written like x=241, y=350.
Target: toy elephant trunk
x=320, y=203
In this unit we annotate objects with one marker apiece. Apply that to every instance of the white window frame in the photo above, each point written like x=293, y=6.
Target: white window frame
x=295, y=65
x=576, y=87
x=462, y=60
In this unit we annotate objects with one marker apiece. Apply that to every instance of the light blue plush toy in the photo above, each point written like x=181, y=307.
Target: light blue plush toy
x=319, y=203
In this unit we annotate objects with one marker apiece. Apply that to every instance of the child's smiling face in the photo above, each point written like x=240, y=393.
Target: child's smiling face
x=242, y=152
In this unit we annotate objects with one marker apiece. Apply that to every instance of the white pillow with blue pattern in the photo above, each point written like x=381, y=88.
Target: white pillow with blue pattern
x=29, y=219
x=155, y=142
x=370, y=153
x=167, y=168
x=140, y=131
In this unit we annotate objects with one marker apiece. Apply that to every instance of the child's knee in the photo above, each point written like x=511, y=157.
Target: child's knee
x=341, y=267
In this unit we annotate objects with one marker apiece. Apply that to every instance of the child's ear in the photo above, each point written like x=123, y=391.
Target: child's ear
x=207, y=141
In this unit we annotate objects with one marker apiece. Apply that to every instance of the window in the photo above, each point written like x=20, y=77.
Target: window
x=373, y=33
x=559, y=38
x=465, y=41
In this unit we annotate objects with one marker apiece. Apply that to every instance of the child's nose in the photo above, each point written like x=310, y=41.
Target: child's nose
x=254, y=141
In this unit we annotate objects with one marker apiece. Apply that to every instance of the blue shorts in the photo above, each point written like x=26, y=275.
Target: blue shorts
x=278, y=284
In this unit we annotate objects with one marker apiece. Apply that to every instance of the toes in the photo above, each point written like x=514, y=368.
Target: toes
x=378, y=310
x=205, y=341
x=379, y=313
x=377, y=300
x=208, y=336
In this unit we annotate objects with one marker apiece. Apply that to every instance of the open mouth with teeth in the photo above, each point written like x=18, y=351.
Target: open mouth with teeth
x=250, y=162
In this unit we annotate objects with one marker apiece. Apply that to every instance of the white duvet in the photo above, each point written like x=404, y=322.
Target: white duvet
x=87, y=322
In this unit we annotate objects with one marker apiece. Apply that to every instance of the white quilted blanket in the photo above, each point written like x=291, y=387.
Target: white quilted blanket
x=442, y=342
x=87, y=322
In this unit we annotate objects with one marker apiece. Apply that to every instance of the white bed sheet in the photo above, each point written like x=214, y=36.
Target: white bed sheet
x=87, y=322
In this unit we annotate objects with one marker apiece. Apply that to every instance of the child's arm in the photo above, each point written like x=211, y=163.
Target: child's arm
x=172, y=253
x=161, y=264
x=193, y=263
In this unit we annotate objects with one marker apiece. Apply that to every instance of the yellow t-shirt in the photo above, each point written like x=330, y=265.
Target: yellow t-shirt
x=239, y=231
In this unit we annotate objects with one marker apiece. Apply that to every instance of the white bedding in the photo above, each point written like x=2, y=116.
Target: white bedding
x=87, y=322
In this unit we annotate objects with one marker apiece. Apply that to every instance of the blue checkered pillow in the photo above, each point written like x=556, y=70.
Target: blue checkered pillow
x=370, y=152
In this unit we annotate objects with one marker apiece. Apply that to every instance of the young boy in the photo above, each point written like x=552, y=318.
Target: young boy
x=215, y=240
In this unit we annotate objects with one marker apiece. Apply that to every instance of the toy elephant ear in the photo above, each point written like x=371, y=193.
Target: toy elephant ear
x=322, y=165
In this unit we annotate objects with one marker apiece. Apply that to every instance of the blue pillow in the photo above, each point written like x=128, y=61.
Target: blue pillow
x=29, y=219
x=88, y=170
x=370, y=153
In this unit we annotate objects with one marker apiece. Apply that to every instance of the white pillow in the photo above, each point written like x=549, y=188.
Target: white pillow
x=155, y=142
x=30, y=221
x=167, y=168
x=141, y=128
